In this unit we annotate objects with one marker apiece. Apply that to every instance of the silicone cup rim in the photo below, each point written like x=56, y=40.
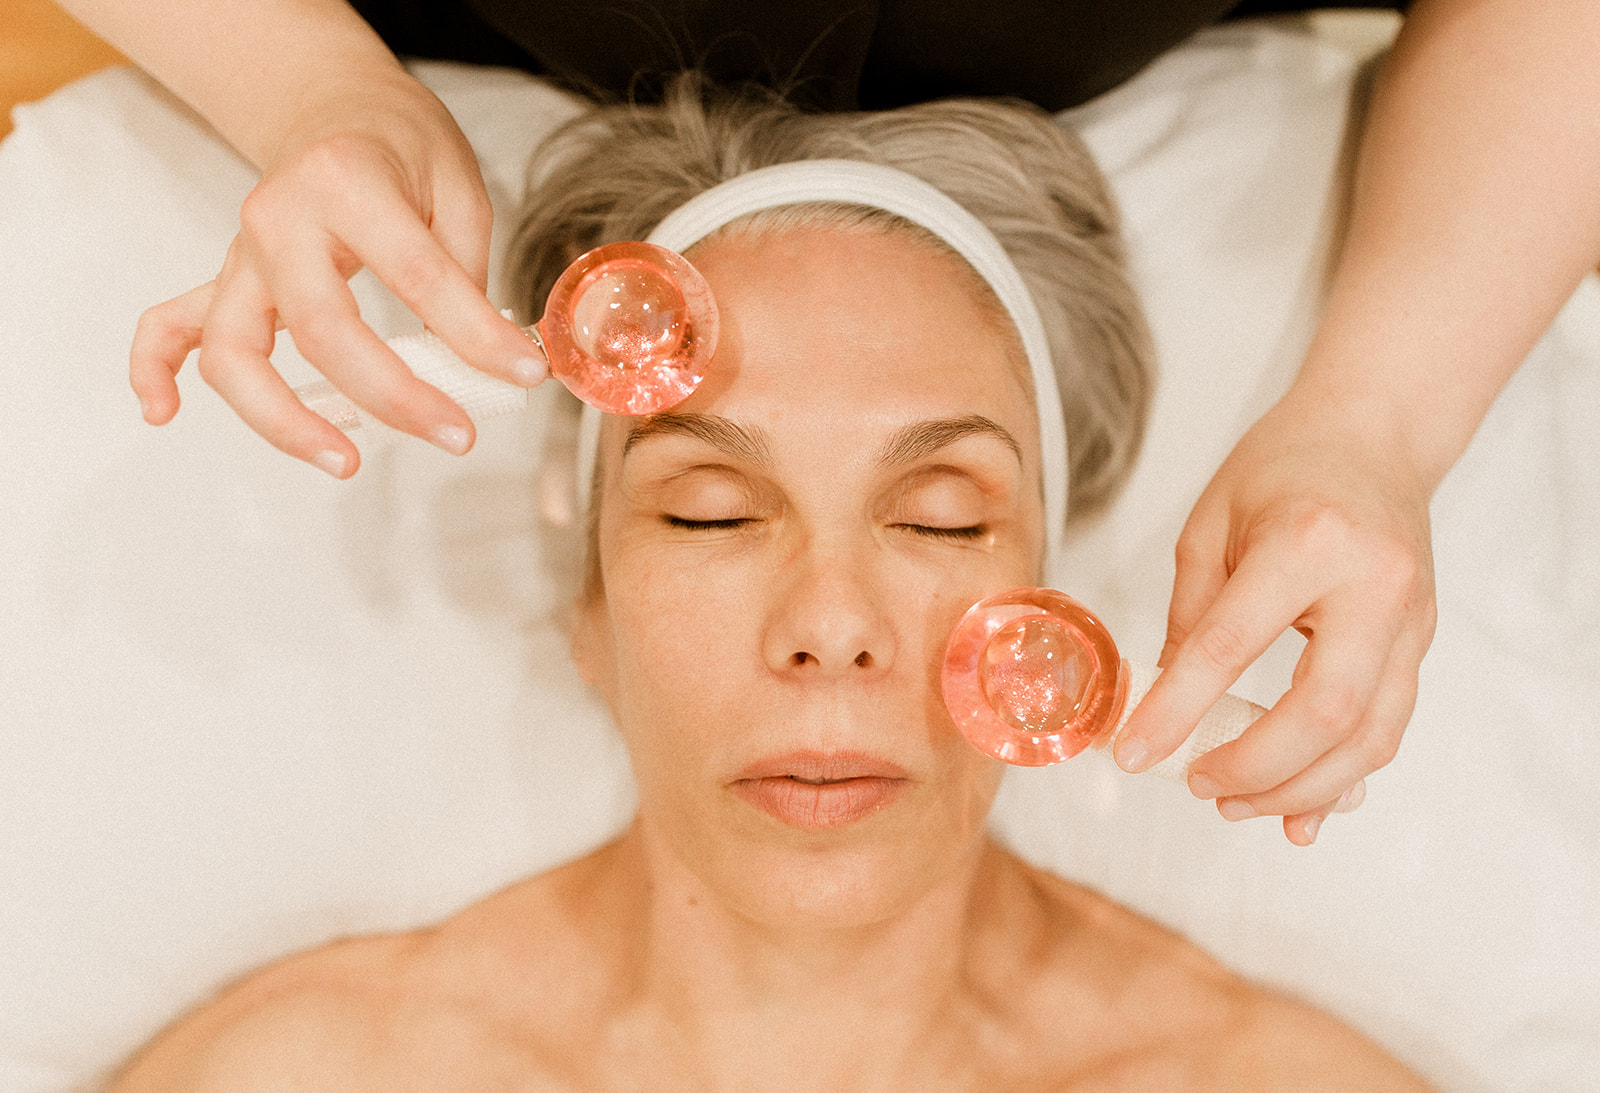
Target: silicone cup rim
x=969, y=707
x=675, y=382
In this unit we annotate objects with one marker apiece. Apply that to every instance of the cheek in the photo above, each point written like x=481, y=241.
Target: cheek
x=680, y=641
x=933, y=597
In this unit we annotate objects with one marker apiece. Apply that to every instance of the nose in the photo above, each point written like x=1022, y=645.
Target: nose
x=829, y=620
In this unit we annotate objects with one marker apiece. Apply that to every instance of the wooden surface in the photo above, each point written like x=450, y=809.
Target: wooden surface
x=41, y=48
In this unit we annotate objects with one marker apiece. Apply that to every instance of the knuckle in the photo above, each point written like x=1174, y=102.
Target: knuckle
x=258, y=212
x=1220, y=648
x=330, y=169
x=1378, y=749
x=1334, y=710
x=1318, y=528
x=332, y=163
x=1191, y=549
x=316, y=332
x=1395, y=566
x=1428, y=618
x=477, y=212
x=210, y=366
x=417, y=277
x=154, y=327
x=153, y=320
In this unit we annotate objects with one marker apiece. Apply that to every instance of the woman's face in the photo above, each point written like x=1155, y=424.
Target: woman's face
x=783, y=557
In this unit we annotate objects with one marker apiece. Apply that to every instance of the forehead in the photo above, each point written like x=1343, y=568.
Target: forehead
x=846, y=328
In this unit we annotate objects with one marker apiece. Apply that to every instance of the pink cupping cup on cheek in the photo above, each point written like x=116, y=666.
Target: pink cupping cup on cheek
x=1032, y=677
x=629, y=328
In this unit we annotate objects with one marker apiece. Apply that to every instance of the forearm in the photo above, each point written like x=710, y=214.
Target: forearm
x=254, y=70
x=1475, y=211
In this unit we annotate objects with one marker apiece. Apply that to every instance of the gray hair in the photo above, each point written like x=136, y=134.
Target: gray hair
x=617, y=171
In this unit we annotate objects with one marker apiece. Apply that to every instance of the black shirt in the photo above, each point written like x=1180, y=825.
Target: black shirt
x=824, y=54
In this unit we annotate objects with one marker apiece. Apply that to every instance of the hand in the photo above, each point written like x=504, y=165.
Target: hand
x=379, y=175
x=1312, y=522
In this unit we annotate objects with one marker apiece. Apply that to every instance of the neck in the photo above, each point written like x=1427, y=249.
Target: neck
x=827, y=1005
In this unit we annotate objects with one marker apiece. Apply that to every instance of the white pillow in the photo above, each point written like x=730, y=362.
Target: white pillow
x=244, y=708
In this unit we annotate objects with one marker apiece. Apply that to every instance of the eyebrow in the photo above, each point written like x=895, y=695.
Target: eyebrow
x=923, y=438
x=909, y=444
x=748, y=445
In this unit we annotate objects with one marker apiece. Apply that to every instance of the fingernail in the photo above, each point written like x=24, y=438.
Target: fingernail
x=330, y=461
x=1311, y=825
x=452, y=438
x=1351, y=799
x=1203, y=787
x=1131, y=755
x=529, y=371
x=144, y=408
x=1233, y=810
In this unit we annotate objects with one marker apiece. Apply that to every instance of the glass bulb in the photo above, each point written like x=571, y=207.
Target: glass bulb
x=1032, y=677
x=630, y=328
x=1034, y=674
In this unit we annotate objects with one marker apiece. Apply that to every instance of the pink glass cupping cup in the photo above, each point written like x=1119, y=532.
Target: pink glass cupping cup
x=1032, y=677
x=629, y=328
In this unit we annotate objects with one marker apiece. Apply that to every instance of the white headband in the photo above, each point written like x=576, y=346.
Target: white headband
x=874, y=186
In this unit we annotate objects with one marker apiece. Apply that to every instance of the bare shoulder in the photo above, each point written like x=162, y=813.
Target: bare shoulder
x=462, y=1004
x=1116, y=1001
x=302, y=1022
x=1278, y=1043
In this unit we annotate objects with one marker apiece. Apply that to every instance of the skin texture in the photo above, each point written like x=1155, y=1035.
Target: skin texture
x=1473, y=216
x=717, y=946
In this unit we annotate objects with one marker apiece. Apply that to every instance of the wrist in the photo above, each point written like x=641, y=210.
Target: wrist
x=316, y=99
x=1414, y=390
x=1361, y=425
x=377, y=97
x=248, y=69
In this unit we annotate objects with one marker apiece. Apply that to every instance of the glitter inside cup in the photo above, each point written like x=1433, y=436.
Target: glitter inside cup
x=1032, y=677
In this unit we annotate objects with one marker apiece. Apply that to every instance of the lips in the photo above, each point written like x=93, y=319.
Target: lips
x=816, y=791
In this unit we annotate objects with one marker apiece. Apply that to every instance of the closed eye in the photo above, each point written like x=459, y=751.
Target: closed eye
x=707, y=525
x=966, y=534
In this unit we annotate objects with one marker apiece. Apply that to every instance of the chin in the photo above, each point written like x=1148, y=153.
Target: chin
x=843, y=876
x=836, y=888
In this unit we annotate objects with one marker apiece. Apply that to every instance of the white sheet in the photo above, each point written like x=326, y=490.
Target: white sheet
x=244, y=708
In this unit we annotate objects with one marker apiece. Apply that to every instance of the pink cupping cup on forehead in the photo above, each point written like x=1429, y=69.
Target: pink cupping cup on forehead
x=629, y=328
x=1032, y=677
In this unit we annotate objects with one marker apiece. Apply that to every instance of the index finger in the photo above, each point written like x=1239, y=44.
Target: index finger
x=1352, y=648
x=405, y=255
x=1263, y=598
